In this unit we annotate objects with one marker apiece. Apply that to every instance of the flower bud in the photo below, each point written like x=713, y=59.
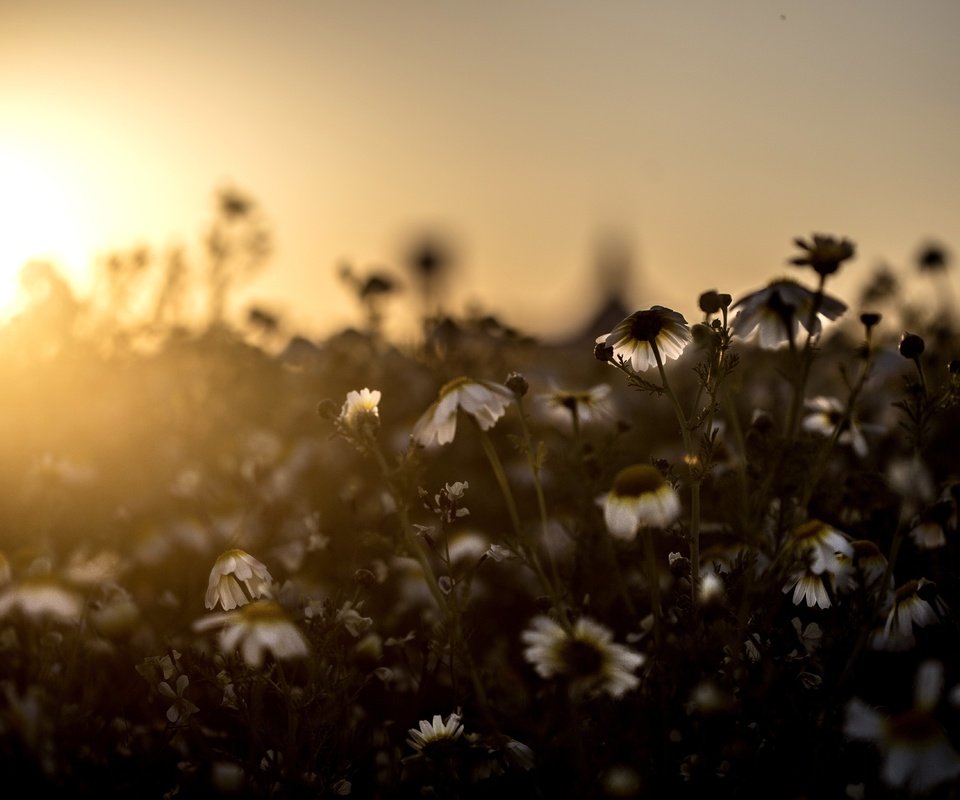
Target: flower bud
x=328, y=409
x=911, y=345
x=869, y=319
x=603, y=352
x=517, y=384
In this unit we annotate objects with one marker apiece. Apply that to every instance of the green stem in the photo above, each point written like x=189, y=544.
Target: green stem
x=530, y=556
x=694, y=481
x=413, y=543
x=653, y=578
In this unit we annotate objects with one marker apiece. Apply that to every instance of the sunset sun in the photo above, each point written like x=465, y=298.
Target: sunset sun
x=39, y=221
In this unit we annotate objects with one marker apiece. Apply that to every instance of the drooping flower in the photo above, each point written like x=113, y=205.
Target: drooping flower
x=633, y=339
x=561, y=406
x=917, y=755
x=824, y=254
x=911, y=608
x=257, y=629
x=779, y=310
x=808, y=586
x=232, y=568
x=818, y=545
x=867, y=566
x=929, y=532
x=587, y=656
x=823, y=417
x=485, y=401
x=640, y=497
x=436, y=736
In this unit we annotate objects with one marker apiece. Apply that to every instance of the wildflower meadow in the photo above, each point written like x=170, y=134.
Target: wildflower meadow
x=710, y=555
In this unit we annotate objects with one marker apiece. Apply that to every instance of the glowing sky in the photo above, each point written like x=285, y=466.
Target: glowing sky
x=706, y=134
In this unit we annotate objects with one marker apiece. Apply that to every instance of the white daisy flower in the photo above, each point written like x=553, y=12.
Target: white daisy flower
x=359, y=415
x=257, y=629
x=820, y=544
x=910, y=609
x=778, y=311
x=917, y=755
x=42, y=597
x=232, y=568
x=825, y=414
x=435, y=735
x=559, y=406
x=640, y=497
x=632, y=340
x=808, y=586
x=587, y=657
x=485, y=401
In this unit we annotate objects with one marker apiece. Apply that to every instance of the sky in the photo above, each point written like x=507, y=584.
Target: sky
x=702, y=136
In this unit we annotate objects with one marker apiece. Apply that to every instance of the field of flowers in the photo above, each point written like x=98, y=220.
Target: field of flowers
x=674, y=558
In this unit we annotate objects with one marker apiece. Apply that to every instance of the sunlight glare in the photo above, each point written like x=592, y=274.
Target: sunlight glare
x=38, y=222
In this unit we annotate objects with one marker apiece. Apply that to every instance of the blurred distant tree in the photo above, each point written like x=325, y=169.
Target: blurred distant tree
x=238, y=244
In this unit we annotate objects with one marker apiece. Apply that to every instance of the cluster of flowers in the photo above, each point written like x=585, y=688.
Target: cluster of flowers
x=677, y=595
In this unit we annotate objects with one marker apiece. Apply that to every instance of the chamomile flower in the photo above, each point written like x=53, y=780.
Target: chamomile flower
x=910, y=609
x=929, y=532
x=778, y=311
x=808, y=586
x=824, y=254
x=561, y=406
x=587, y=656
x=917, y=755
x=640, y=497
x=436, y=735
x=42, y=597
x=824, y=414
x=359, y=417
x=820, y=546
x=232, y=568
x=256, y=630
x=485, y=401
x=867, y=566
x=633, y=340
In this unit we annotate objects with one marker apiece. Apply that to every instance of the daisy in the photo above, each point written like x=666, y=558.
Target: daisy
x=232, y=568
x=910, y=608
x=820, y=544
x=587, y=656
x=485, y=401
x=633, y=340
x=916, y=751
x=929, y=533
x=640, y=497
x=42, y=597
x=825, y=414
x=808, y=586
x=435, y=736
x=257, y=629
x=562, y=406
x=779, y=310
x=359, y=416
x=824, y=254
x=866, y=563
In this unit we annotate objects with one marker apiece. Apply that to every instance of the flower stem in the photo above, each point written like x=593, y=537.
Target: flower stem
x=653, y=577
x=694, y=481
x=530, y=556
x=409, y=536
